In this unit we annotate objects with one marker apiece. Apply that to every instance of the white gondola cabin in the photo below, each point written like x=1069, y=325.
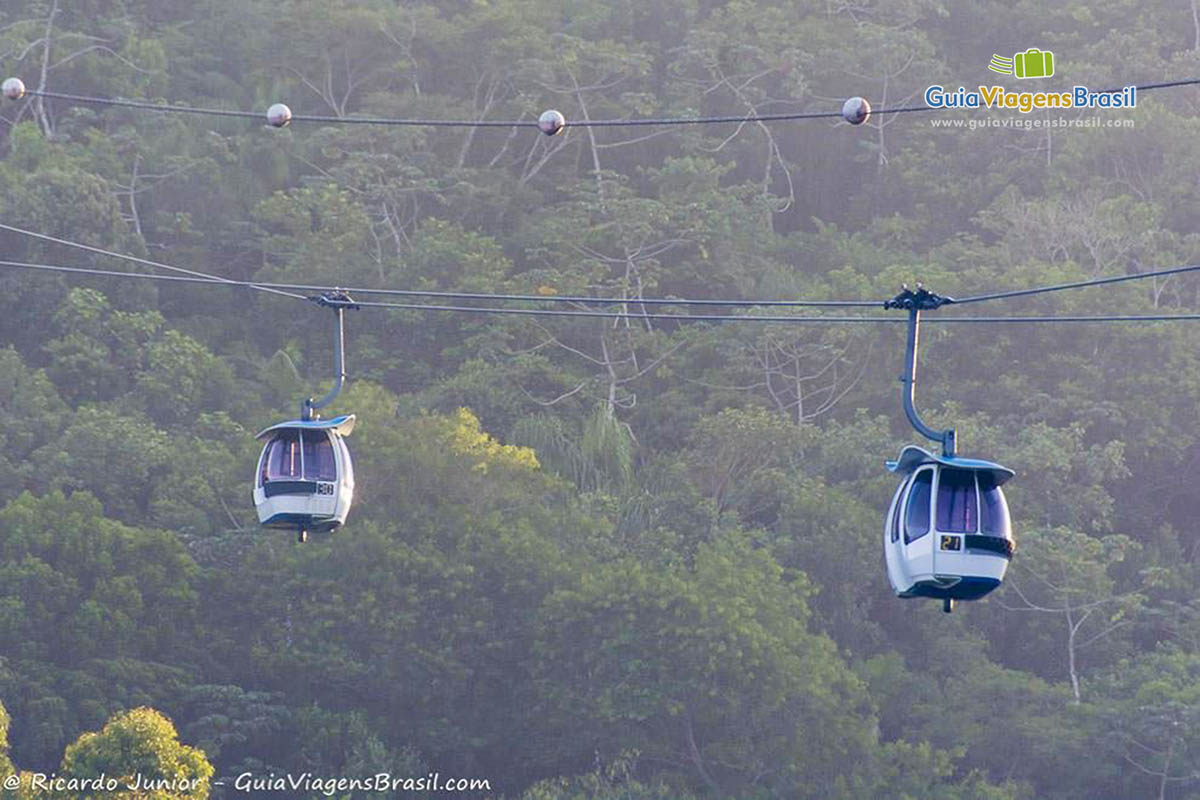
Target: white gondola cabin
x=305, y=479
x=948, y=534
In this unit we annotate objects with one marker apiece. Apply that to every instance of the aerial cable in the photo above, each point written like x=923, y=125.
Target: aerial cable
x=1075, y=285
x=556, y=312
x=856, y=110
x=326, y=290
x=592, y=300
x=421, y=122
x=551, y=312
x=290, y=288
x=1070, y=318
x=147, y=262
x=111, y=273
x=548, y=312
x=457, y=295
x=286, y=289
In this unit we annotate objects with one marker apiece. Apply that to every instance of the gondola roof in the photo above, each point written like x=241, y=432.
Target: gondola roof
x=912, y=457
x=342, y=425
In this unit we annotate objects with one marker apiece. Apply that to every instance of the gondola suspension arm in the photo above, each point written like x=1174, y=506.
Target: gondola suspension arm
x=915, y=302
x=338, y=301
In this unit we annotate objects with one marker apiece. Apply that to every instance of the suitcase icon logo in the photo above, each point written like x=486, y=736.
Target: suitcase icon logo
x=1033, y=63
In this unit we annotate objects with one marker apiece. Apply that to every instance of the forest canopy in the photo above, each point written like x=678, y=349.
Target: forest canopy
x=594, y=558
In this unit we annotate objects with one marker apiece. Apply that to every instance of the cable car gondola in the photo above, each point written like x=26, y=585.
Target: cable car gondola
x=948, y=535
x=305, y=478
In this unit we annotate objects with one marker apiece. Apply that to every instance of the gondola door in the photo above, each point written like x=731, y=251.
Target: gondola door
x=917, y=527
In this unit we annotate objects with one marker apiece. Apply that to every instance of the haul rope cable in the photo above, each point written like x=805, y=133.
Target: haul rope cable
x=1074, y=285
x=211, y=281
x=290, y=289
x=22, y=91
x=673, y=301
x=147, y=262
x=214, y=281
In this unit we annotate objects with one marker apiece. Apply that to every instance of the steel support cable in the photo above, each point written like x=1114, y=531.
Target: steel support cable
x=591, y=300
x=464, y=123
x=147, y=262
x=550, y=312
x=1076, y=285
x=433, y=123
x=289, y=288
x=212, y=281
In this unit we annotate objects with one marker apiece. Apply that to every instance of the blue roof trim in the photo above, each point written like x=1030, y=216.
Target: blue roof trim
x=342, y=425
x=912, y=457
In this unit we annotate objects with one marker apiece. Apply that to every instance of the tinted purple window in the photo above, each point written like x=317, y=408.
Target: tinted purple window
x=319, y=463
x=993, y=512
x=283, y=457
x=916, y=522
x=956, y=508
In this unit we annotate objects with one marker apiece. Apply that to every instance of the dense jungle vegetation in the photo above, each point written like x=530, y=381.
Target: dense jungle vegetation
x=595, y=558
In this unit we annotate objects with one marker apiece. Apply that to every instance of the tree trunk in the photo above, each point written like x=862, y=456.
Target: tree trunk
x=40, y=106
x=1072, y=629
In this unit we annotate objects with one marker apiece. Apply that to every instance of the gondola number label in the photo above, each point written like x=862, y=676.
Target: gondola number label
x=324, y=488
x=951, y=543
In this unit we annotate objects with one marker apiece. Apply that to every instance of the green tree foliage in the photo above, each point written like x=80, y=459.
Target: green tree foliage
x=709, y=666
x=32, y=414
x=596, y=558
x=116, y=457
x=94, y=612
x=140, y=748
x=1067, y=579
x=1150, y=719
x=613, y=781
x=6, y=765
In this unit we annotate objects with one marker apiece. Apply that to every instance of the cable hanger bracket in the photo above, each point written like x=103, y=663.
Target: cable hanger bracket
x=338, y=301
x=914, y=302
x=922, y=299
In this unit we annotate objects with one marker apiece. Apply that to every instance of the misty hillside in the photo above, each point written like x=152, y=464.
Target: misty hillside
x=607, y=557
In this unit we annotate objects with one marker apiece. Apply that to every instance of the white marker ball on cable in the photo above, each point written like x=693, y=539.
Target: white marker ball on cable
x=552, y=122
x=856, y=110
x=278, y=115
x=13, y=88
